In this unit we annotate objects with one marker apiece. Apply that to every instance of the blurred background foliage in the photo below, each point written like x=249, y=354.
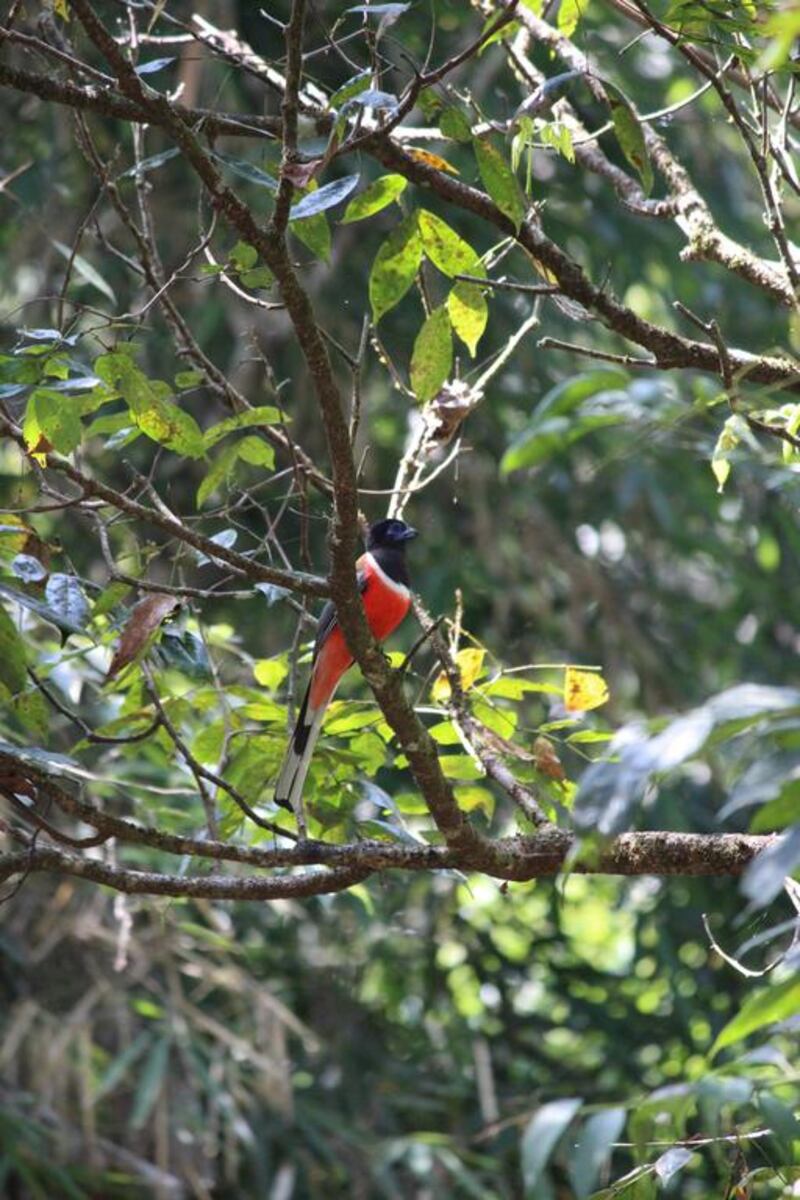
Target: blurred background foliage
x=397, y=1040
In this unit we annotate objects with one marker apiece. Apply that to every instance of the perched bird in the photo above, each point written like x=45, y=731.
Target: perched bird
x=384, y=583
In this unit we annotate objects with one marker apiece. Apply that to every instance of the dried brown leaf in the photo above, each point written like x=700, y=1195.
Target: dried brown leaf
x=146, y=617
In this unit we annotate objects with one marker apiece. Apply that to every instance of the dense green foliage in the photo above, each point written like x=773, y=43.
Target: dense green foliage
x=426, y=1034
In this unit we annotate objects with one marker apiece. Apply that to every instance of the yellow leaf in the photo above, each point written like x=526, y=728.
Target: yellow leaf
x=434, y=160
x=61, y=9
x=470, y=664
x=584, y=690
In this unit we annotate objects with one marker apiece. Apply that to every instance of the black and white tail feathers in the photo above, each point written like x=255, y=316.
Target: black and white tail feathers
x=289, y=788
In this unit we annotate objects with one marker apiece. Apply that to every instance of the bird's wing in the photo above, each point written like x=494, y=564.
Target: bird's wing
x=327, y=618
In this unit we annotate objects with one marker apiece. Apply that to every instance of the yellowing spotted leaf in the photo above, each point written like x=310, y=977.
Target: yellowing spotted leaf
x=434, y=160
x=584, y=690
x=470, y=665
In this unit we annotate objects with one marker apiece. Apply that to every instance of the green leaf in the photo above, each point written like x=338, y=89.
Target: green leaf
x=593, y=1149
x=459, y=766
x=252, y=450
x=262, y=415
x=353, y=87
x=243, y=256
x=188, y=379
x=730, y=435
x=629, y=134
x=315, y=234
x=184, y=652
x=151, y=1081
x=454, y=124
x=469, y=313
x=320, y=199
x=118, y=1068
x=54, y=417
x=270, y=672
x=569, y=14
x=256, y=452
x=373, y=199
x=780, y=1119
x=432, y=357
x=151, y=406
x=32, y=710
x=13, y=671
x=555, y=425
x=763, y=1007
x=395, y=267
x=446, y=249
x=218, y=473
x=499, y=181
x=539, y=1140
x=259, y=277
x=207, y=745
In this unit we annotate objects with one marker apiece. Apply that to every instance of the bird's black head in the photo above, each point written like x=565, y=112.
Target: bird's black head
x=389, y=533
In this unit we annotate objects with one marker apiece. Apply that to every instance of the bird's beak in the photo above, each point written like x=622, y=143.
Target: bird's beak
x=410, y=533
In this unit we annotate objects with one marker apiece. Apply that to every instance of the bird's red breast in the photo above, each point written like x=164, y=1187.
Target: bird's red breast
x=386, y=603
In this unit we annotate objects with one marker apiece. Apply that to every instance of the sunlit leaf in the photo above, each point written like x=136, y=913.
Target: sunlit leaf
x=584, y=690
x=429, y=159
x=432, y=356
x=151, y=405
x=730, y=435
x=446, y=249
x=569, y=14
x=380, y=193
x=395, y=266
x=270, y=672
x=763, y=1007
x=470, y=665
x=469, y=313
x=261, y=415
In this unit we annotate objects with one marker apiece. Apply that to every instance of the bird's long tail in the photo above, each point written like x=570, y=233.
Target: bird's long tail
x=289, y=788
